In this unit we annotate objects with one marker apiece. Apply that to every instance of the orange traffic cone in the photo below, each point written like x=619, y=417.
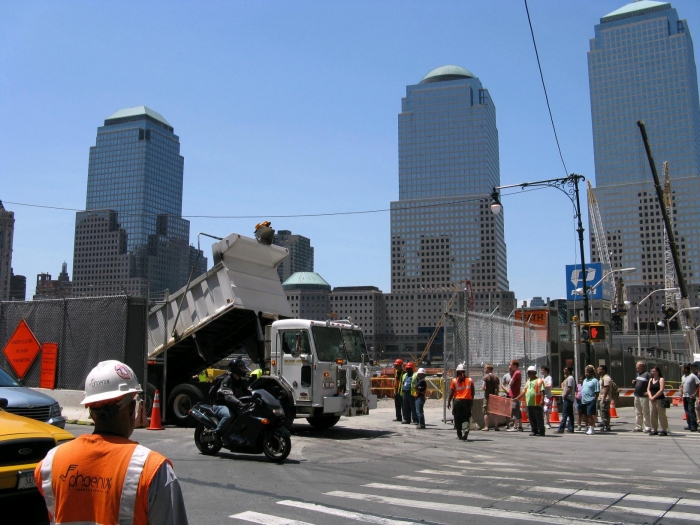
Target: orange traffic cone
x=523, y=412
x=685, y=416
x=155, y=414
x=554, y=414
x=613, y=412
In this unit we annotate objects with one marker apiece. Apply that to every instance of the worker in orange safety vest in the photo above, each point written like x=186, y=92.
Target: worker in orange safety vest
x=462, y=391
x=104, y=477
x=398, y=398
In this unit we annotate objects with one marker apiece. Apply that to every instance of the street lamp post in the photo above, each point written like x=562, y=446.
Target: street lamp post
x=591, y=289
x=668, y=322
x=639, y=337
x=569, y=187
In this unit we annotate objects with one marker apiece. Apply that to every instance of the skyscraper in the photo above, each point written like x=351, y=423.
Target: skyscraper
x=442, y=230
x=7, y=229
x=132, y=233
x=641, y=67
x=301, y=254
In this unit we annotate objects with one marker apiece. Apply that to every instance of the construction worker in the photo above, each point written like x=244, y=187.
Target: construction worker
x=462, y=391
x=408, y=390
x=398, y=398
x=104, y=477
x=534, y=400
x=421, y=387
x=256, y=374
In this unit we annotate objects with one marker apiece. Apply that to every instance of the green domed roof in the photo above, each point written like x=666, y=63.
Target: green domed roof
x=444, y=73
x=636, y=8
x=306, y=281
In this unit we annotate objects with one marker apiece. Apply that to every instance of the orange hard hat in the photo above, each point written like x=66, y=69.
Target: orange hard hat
x=409, y=365
x=398, y=362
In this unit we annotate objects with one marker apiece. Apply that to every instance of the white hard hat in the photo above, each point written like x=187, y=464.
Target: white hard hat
x=459, y=368
x=532, y=368
x=110, y=380
x=421, y=371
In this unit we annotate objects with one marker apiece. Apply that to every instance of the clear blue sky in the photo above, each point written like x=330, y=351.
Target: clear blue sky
x=288, y=108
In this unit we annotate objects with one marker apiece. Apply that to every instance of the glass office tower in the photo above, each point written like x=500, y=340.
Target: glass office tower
x=442, y=230
x=132, y=232
x=642, y=67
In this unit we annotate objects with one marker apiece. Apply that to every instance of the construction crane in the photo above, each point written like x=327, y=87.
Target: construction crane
x=601, y=244
x=469, y=303
x=673, y=299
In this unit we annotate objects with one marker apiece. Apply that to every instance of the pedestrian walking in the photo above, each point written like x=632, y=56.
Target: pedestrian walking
x=489, y=385
x=398, y=398
x=657, y=402
x=533, y=394
x=462, y=391
x=421, y=387
x=590, y=389
x=568, y=397
x=694, y=370
x=513, y=393
x=544, y=370
x=605, y=397
x=104, y=477
x=641, y=399
x=689, y=392
x=408, y=391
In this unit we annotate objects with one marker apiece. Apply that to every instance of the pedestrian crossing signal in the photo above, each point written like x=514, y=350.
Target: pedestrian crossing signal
x=592, y=332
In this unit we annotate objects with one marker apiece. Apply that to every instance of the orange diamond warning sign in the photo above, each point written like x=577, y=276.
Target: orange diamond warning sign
x=22, y=349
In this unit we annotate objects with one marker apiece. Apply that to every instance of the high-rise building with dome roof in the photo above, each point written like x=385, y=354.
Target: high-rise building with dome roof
x=132, y=234
x=442, y=230
x=641, y=66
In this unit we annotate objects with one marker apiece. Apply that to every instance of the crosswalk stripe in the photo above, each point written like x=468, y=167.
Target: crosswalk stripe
x=688, y=501
x=589, y=493
x=596, y=475
x=461, y=509
x=364, y=518
x=636, y=510
x=650, y=499
x=425, y=480
x=266, y=519
x=681, y=515
x=425, y=490
x=465, y=475
x=550, y=503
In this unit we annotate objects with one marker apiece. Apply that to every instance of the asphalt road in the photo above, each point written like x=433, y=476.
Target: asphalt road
x=373, y=470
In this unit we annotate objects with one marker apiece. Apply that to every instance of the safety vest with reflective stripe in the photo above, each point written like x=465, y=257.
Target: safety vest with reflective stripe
x=413, y=382
x=538, y=385
x=462, y=390
x=398, y=374
x=98, y=479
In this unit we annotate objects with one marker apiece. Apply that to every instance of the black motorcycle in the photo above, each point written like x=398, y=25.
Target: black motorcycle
x=259, y=423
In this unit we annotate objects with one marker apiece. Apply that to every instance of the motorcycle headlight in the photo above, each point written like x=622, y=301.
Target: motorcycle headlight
x=278, y=411
x=55, y=410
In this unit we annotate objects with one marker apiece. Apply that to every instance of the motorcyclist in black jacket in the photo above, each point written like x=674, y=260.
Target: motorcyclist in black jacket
x=227, y=403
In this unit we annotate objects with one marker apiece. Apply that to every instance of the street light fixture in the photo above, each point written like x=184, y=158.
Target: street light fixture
x=569, y=187
x=639, y=335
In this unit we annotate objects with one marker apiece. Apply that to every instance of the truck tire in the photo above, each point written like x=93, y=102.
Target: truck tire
x=289, y=414
x=323, y=422
x=181, y=399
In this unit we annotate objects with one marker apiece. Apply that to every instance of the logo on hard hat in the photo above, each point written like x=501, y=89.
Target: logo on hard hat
x=123, y=371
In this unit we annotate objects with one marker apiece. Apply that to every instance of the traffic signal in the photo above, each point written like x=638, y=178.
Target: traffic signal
x=596, y=332
x=592, y=332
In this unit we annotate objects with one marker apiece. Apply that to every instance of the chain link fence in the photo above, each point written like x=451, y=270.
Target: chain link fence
x=477, y=338
x=87, y=330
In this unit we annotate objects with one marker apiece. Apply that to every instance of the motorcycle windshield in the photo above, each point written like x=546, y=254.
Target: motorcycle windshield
x=270, y=400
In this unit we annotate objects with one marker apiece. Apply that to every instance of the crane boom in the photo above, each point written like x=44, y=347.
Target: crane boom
x=601, y=241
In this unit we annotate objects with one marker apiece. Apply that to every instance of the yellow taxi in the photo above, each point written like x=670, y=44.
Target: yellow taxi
x=23, y=443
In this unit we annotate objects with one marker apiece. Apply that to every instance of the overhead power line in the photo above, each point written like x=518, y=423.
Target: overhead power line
x=544, y=87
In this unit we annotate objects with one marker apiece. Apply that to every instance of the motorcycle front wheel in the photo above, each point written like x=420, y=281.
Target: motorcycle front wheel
x=208, y=447
x=277, y=444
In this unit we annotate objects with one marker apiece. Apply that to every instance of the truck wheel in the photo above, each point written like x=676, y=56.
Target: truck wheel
x=181, y=399
x=323, y=422
x=289, y=415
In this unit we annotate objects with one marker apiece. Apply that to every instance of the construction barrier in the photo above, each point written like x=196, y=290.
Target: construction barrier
x=384, y=387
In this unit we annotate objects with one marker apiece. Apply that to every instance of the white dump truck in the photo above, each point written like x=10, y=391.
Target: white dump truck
x=318, y=370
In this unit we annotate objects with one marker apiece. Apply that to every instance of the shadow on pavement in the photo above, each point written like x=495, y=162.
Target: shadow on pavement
x=339, y=433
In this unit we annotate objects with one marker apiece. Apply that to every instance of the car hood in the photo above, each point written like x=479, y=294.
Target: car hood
x=21, y=396
x=13, y=426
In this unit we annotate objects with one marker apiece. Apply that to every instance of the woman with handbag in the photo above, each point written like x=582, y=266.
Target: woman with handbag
x=657, y=400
